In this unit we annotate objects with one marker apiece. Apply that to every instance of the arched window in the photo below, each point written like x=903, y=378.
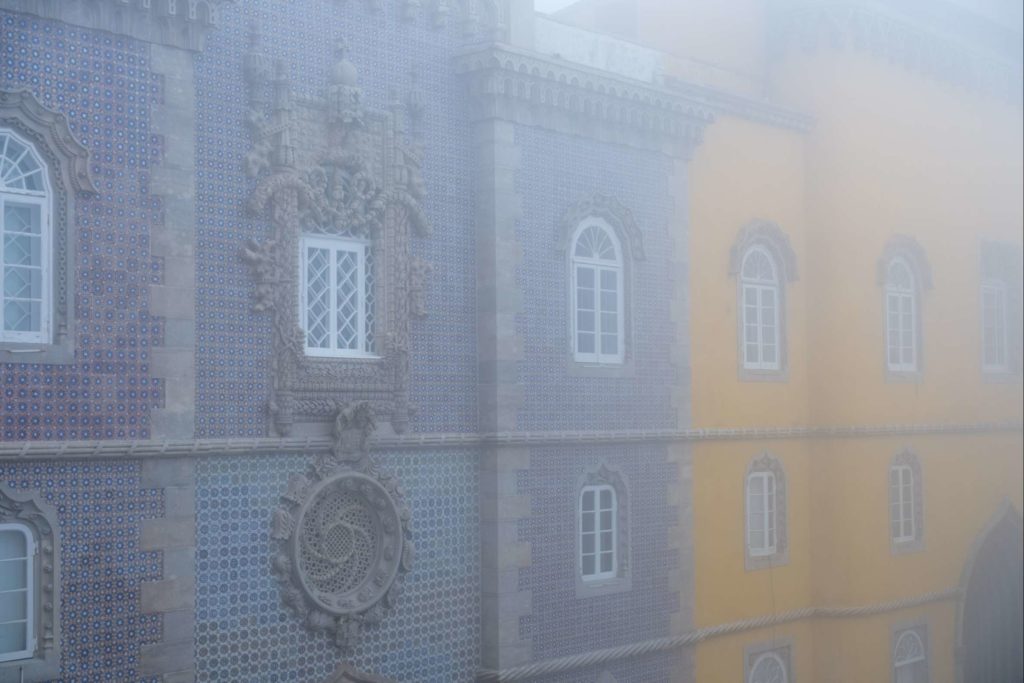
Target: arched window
x=901, y=322
x=26, y=268
x=597, y=294
x=17, y=592
x=909, y=658
x=598, y=532
x=768, y=668
x=905, y=502
x=766, y=512
x=760, y=301
x=994, y=330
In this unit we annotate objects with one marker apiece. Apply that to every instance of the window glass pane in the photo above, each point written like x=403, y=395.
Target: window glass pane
x=13, y=574
x=585, y=277
x=12, y=606
x=589, y=562
x=587, y=523
x=348, y=304
x=606, y=498
x=12, y=544
x=23, y=283
x=609, y=344
x=588, y=499
x=609, y=281
x=585, y=298
x=606, y=540
x=606, y=519
x=318, y=289
x=588, y=543
x=13, y=637
x=606, y=562
x=22, y=218
x=585, y=342
x=22, y=316
x=585, y=321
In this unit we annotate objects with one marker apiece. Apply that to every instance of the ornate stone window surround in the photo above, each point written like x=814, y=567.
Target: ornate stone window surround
x=909, y=251
x=618, y=220
x=767, y=463
x=913, y=628
x=1001, y=268
x=622, y=580
x=770, y=237
x=66, y=163
x=328, y=167
x=780, y=649
x=40, y=520
x=904, y=461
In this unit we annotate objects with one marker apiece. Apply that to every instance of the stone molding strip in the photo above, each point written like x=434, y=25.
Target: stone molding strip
x=595, y=657
x=43, y=450
x=722, y=102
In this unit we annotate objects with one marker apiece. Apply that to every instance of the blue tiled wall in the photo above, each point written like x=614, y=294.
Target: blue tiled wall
x=103, y=84
x=100, y=507
x=234, y=344
x=244, y=635
x=555, y=172
x=561, y=623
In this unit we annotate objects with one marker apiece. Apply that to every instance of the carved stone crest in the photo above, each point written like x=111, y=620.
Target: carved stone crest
x=342, y=542
x=328, y=166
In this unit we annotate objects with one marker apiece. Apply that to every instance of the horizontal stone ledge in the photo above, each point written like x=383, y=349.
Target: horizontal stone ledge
x=596, y=657
x=36, y=450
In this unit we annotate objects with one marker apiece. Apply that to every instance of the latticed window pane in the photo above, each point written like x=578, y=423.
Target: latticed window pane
x=768, y=668
x=993, y=299
x=597, y=531
x=900, y=317
x=318, y=298
x=597, y=296
x=15, y=593
x=338, y=307
x=760, y=314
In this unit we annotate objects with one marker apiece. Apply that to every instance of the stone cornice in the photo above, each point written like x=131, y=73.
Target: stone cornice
x=531, y=89
x=897, y=39
x=40, y=450
x=722, y=102
x=177, y=23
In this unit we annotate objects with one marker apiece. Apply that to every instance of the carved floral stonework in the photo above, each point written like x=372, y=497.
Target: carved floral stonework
x=341, y=536
x=610, y=210
x=330, y=166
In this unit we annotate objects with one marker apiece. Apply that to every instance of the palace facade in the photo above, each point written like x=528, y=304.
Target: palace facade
x=438, y=340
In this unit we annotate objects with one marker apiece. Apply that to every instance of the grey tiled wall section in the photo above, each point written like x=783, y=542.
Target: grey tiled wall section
x=233, y=343
x=561, y=623
x=557, y=171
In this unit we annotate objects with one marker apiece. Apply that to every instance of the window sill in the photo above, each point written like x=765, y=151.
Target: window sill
x=906, y=547
x=50, y=354
x=756, y=375
x=755, y=563
x=1001, y=377
x=347, y=356
x=34, y=670
x=592, y=588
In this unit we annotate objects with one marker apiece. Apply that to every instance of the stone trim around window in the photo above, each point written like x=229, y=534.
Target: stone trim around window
x=768, y=462
x=329, y=166
x=1002, y=262
x=921, y=629
x=907, y=458
x=67, y=163
x=41, y=520
x=623, y=580
x=624, y=226
x=781, y=647
x=771, y=237
x=911, y=251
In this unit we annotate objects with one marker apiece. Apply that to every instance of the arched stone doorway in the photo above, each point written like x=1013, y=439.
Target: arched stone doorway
x=992, y=613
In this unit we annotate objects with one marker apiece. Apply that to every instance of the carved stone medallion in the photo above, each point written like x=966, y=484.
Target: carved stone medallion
x=341, y=536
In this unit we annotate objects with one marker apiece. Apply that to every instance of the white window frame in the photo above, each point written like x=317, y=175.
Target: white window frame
x=769, y=514
x=43, y=199
x=758, y=289
x=907, y=299
x=599, y=548
x=912, y=662
x=598, y=266
x=998, y=289
x=899, y=501
x=768, y=656
x=31, y=598
x=335, y=245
